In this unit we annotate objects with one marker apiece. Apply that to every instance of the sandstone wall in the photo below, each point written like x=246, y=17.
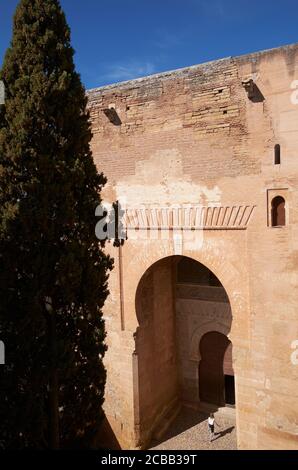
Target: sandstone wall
x=195, y=137
x=156, y=348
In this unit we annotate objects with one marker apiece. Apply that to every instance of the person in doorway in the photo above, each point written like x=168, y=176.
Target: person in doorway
x=211, y=424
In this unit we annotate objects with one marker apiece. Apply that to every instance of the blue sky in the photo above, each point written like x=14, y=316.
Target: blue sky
x=118, y=40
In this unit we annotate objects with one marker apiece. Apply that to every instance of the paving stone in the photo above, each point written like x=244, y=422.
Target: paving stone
x=190, y=432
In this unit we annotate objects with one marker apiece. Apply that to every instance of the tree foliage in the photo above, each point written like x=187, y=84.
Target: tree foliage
x=53, y=272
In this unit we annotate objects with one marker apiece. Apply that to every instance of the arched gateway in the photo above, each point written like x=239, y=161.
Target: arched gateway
x=191, y=165
x=183, y=351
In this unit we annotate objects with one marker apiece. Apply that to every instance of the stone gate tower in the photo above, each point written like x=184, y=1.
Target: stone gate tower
x=204, y=294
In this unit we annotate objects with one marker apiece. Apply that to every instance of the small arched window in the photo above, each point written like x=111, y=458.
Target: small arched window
x=278, y=212
x=277, y=154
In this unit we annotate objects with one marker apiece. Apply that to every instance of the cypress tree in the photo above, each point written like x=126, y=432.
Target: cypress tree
x=53, y=271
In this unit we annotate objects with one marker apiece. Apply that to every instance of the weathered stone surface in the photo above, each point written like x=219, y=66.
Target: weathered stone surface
x=193, y=136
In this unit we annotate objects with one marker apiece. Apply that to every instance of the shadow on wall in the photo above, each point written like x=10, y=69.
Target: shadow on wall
x=187, y=418
x=258, y=96
x=105, y=438
x=253, y=92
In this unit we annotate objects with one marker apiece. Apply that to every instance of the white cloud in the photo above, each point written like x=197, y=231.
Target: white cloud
x=167, y=40
x=128, y=71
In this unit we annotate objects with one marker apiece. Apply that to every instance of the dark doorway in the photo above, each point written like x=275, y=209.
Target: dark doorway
x=215, y=366
x=229, y=390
